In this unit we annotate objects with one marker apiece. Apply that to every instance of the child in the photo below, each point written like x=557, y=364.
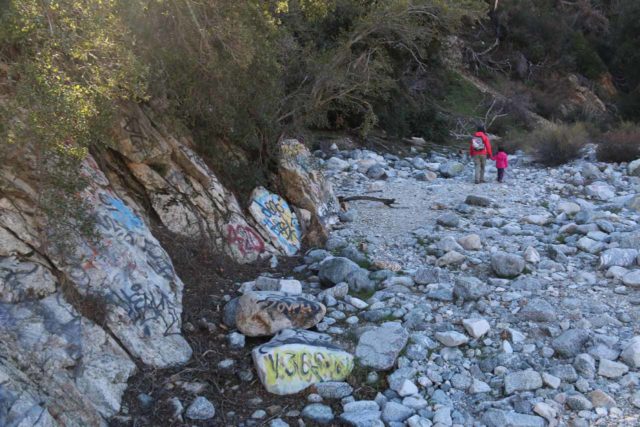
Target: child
x=502, y=162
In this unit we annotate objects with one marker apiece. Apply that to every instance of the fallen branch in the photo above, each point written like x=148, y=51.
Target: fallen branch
x=387, y=202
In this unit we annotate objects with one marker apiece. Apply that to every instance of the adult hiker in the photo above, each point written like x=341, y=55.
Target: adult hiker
x=479, y=149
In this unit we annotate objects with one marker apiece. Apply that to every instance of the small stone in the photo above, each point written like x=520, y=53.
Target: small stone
x=551, y=381
x=333, y=389
x=507, y=265
x=318, y=413
x=570, y=343
x=476, y=327
x=522, y=381
x=396, y=412
x=479, y=387
x=631, y=353
x=545, y=410
x=236, y=340
x=407, y=388
x=451, y=338
x=200, y=409
x=578, y=402
x=531, y=255
x=471, y=242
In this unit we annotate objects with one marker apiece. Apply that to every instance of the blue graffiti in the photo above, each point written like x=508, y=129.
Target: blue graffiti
x=279, y=219
x=122, y=214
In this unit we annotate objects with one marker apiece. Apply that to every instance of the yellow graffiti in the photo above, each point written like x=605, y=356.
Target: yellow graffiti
x=293, y=149
x=305, y=365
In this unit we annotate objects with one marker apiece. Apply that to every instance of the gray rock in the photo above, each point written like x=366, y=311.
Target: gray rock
x=201, y=409
x=571, y=342
x=448, y=219
x=538, y=310
x=617, y=257
x=366, y=418
x=377, y=172
x=470, y=288
x=507, y=265
x=500, y=418
x=478, y=201
x=611, y=369
x=585, y=365
x=318, y=413
x=578, y=402
x=396, y=412
x=379, y=348
x=631, y=353
x=333, y=389
x=522, y=381
x=425, y=276
x=336, y=270
x=451, y=169
x=229, y=313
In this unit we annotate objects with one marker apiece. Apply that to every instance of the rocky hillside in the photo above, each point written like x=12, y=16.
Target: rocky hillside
x=77, y=318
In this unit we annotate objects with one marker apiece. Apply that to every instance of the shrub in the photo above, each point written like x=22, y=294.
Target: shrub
x=558, y=144
x=620, y=145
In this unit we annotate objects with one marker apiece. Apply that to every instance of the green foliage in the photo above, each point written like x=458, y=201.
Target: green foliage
x=621, y=144
x=68, y=65
x=558, y=144
x=588, y=62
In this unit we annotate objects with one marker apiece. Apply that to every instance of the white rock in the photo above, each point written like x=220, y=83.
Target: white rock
x=550, y=380
x=471, y=242
x=451, y=338
x=531, y=255
x=632, y=279
x=476, y=327
x=407, y=388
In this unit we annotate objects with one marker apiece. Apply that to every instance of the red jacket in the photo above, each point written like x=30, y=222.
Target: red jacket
x=487, y=146
x=502, y=161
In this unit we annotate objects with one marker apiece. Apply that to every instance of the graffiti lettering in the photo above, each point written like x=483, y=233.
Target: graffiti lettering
x=292, y=308
x=279, y=220
x=143, y=307
x=133, y=128
x=245, y=239
x=121, y=213
x=307, y=365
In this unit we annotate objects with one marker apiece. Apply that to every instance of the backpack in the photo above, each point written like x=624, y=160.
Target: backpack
x=477, y=143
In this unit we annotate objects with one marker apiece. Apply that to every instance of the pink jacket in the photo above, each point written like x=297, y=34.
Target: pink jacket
x=502, y=161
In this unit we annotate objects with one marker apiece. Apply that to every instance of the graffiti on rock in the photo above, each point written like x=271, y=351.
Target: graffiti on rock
x=291, y=307
x=133, y=128
x=306, y=364
x=245, y=239
x=121, y=212
x=277, y=218
x=144, y=306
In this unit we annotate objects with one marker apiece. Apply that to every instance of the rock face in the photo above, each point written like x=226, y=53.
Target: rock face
x=379, y=348
x=276, y=220
x=293, y=360
x=303, y=185
x=66, y=352
x=266, y=313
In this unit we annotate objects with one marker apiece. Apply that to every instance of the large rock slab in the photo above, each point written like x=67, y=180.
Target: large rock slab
x=129, y=275
x=276, y=220
x=82, y=371
x=265, y=313
x=379, y=348
x=295, y=359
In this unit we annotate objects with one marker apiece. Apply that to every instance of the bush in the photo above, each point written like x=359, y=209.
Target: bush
x=620, y=145
x=558, y=144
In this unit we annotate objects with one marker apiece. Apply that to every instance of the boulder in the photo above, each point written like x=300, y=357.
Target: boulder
x=451, y=169
x=296, y=359
x=631, y=353
x=507, y=265
x=470, y=288
x=474, y=200
x=617, y=257
x=264, y=313
x=276, y=221
x=501, y=418
x=570, y=343
x=336, y=270
x=379, y=348
x=600, y=191
x=633, y=169
x=336, y=164
x=522, y=381
x=538, y=310
x=377, y=172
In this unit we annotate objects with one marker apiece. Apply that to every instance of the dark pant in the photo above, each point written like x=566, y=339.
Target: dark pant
x=500, y=175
